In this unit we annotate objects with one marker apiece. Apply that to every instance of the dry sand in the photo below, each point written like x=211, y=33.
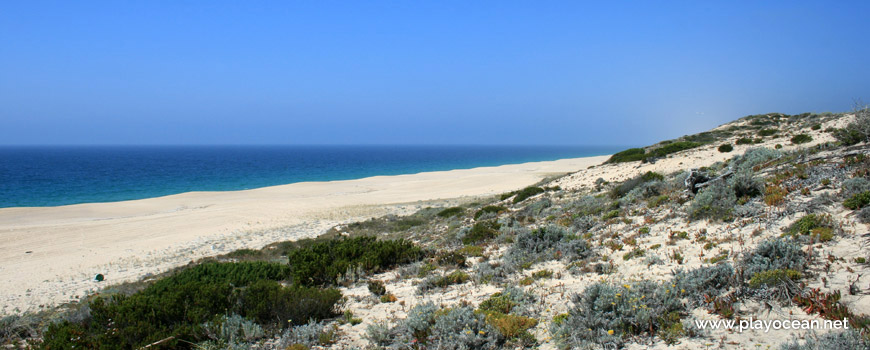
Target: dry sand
x=49, y=255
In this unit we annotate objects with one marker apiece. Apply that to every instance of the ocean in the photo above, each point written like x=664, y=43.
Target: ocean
x=34, y=176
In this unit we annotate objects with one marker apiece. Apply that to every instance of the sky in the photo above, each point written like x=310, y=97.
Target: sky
x=418, y=72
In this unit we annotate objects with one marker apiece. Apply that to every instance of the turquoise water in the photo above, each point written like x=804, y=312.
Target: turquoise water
x=50, y=176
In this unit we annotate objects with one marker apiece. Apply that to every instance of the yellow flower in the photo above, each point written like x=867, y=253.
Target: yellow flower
x=626, y=286
x=683, y=291
x=482, y=332
x=618, y=295
x=610, y=332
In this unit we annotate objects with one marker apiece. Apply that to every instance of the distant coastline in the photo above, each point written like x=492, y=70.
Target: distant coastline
x=40, y=176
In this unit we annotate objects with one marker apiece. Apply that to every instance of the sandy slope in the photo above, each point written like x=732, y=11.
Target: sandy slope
x=49, y=255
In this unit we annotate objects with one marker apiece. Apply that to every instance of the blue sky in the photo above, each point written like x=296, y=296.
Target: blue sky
x=415, y=72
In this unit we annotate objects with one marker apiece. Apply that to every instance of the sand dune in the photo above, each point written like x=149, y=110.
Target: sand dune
x=49, y=255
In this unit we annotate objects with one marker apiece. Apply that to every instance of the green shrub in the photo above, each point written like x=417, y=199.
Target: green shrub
x=434, y=282
x=817, y=225
x=801, y=138
x=180, y=305
x=451, y=212
x=453, y=258
x=673, y=148
x=526, y=193
x=489, y=209
x=858, y=201
x=773, y=278
x=480, y=231
x=377, y=287
x=767, y=132
x=725, y=148
x=744, y=141
x=849, y=136
x=629, y=155
x=321, y=263
x=269, y=302
x=610, y=215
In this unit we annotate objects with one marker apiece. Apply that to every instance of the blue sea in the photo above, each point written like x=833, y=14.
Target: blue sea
x=51, y=176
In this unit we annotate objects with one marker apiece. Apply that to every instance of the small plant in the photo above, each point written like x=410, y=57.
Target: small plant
x=818, y=226
x=480, y=231
x=725, y=148
x=451, y=212
x=610, y=215
x=773, y=278
x=774, y=195
x=744, y=141
x=377, y=287
x=633, y=254
x=526, y=193
x=643, y=230
x=767, y=132
x=774, y=254
x=495, y=209
x=388, y=298
x=801, y=138
x=858, y=201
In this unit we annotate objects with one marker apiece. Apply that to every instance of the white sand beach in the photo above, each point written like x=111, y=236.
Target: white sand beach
x=49, y=255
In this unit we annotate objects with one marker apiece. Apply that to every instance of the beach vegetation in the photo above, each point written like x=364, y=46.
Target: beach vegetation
x=725, y=148
x=451, y=212
x=801, y=138
x=321, y=263
x=178, y=307
x=495, y=209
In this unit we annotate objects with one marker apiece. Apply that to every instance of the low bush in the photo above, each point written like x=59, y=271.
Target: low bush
x=801, y=138
x=489, y=209
x=480, y=231
x=605, y=315
x=854, y=186
x=725, y=148
x=269, y=302
x=321, y=263
x=526, y=193
x=744, y=141
x=629, y=155
x=442, y=281
x=451, y=212
x=773, y=278
x=713, y=202
x=864, y=215
x=377, y=287
x=857, y=201
x=181, y=305
x=774, y=254
x=819, y=226
x=546, y=243
x=767, y=132
x=430, y=326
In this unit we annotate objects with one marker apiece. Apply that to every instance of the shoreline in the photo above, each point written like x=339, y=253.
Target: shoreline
x=48, y=255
